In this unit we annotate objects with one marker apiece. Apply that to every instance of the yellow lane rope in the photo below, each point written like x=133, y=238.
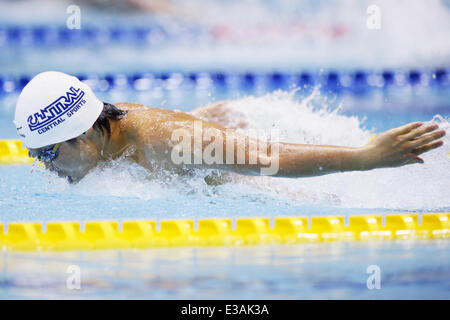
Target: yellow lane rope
x=12, y=152
x=30, y=236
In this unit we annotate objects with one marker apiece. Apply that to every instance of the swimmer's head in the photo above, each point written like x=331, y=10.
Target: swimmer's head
x=55, y=107
x=63, y=124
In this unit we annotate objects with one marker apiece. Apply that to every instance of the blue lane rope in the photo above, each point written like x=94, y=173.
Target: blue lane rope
x=46, y=36
x=355, y=82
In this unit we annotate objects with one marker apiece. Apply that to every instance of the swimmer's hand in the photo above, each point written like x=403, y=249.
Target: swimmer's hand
x=400, y=146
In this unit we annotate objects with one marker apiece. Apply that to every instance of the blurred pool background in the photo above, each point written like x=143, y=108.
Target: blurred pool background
x=312, y=69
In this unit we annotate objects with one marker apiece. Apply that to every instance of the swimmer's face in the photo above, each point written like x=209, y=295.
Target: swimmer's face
x=74, y=158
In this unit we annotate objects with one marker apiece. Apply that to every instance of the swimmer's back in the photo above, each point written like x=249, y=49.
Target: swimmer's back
x=145, y=116
x=154, y=126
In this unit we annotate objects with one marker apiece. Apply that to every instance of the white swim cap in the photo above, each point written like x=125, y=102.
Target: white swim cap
x=55, y=107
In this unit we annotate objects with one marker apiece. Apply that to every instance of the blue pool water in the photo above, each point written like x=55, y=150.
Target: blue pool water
x=409, y=270
x=187, y=62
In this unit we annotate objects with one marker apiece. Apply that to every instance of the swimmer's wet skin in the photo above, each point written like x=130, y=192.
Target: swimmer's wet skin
x=63, y=123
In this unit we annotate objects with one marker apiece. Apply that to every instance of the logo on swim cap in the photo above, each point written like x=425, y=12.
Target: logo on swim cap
x=53, y=114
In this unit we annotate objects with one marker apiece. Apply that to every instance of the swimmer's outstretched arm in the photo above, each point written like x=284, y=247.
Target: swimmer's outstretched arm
x=393, y=148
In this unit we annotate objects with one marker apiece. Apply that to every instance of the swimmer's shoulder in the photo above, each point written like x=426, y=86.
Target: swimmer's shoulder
x=141, y=117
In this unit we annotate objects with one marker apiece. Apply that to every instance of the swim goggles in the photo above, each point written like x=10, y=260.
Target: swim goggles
x=47, y=154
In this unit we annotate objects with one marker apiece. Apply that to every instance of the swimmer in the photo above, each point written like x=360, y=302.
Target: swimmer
x=96, y=132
